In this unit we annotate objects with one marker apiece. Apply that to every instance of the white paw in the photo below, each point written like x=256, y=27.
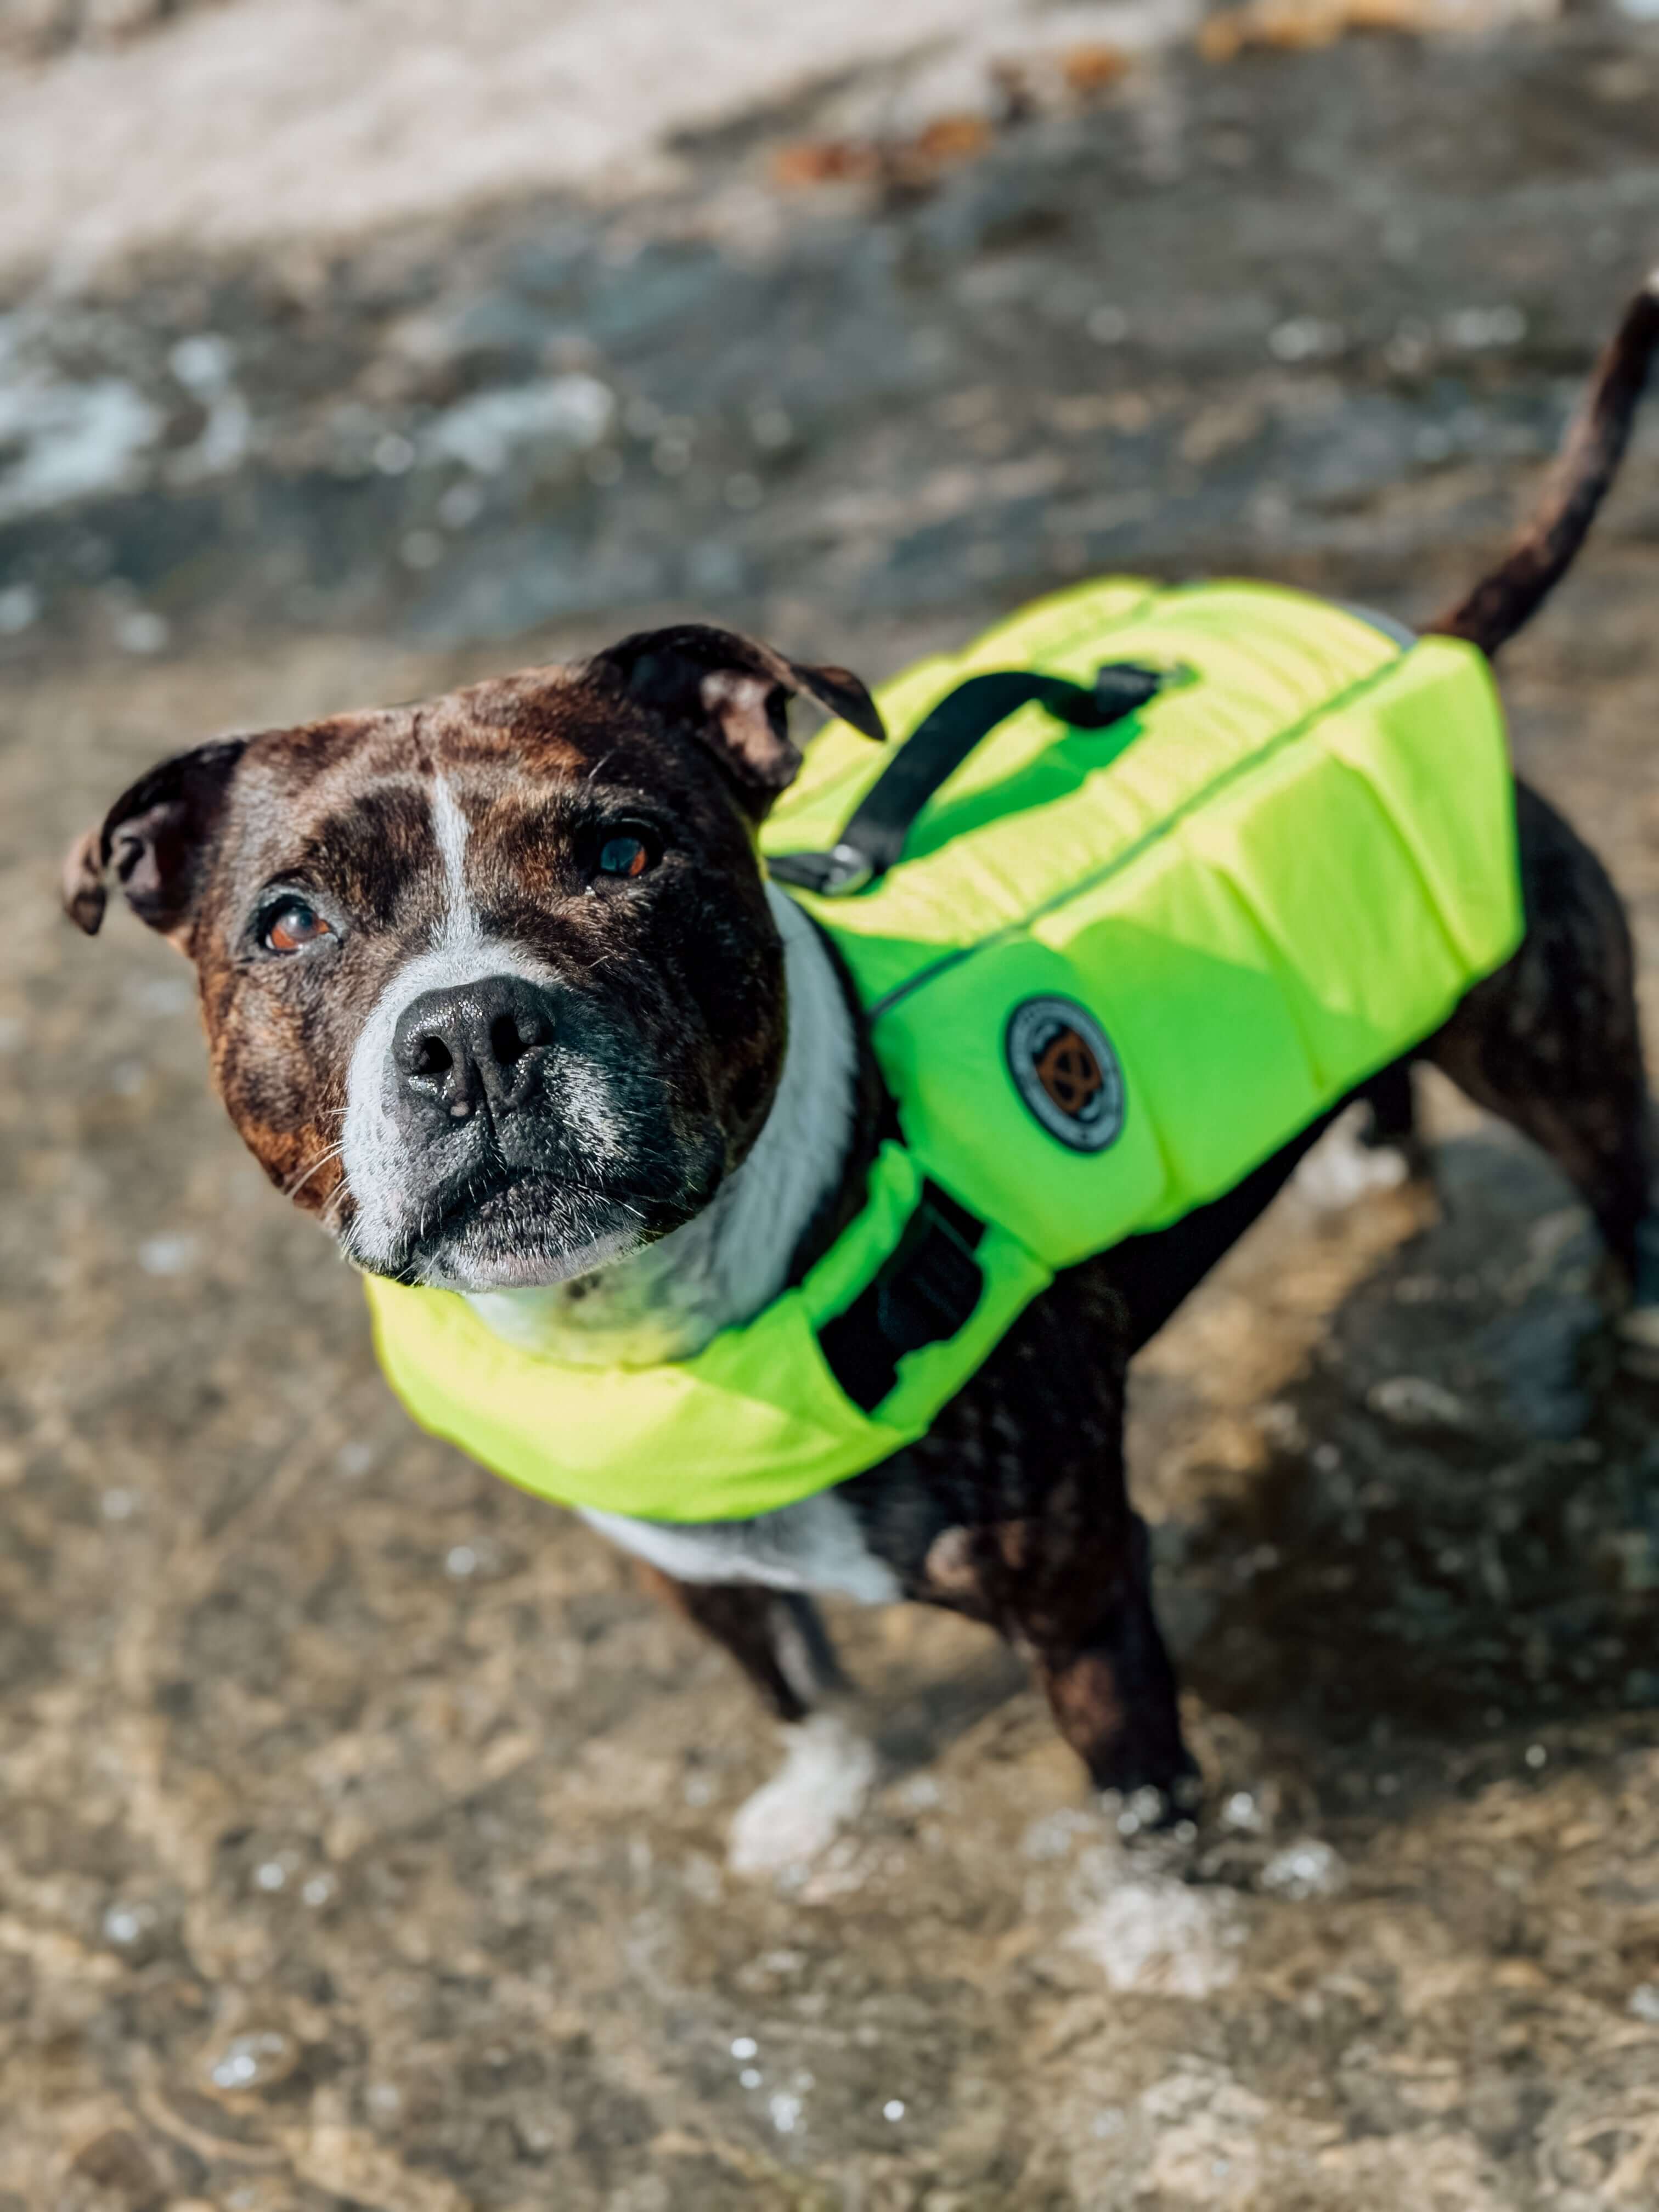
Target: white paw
x=828, y=1773
x=1340, y=1170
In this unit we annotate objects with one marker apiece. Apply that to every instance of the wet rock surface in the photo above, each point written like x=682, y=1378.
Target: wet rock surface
x=365, y=1831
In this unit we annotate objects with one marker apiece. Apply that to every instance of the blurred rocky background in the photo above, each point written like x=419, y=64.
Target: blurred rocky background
x=362, y=1842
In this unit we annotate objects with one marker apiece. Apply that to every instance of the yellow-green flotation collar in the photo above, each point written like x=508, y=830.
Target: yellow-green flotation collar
x=1113, y=972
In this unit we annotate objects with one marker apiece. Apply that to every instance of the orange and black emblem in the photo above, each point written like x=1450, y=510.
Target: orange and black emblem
x=1069, y=1071
x=1066, y=1071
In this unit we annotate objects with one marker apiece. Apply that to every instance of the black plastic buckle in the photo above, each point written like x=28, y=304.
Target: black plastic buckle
x=927, y=1291
x=835, y=874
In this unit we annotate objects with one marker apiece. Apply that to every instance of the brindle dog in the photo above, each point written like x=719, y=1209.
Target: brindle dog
x=495, y=988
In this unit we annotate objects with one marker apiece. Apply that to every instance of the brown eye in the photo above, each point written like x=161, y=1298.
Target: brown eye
x=624, y=856
x=292, y=926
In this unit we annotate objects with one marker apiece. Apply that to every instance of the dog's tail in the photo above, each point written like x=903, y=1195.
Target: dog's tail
x=1589, y=461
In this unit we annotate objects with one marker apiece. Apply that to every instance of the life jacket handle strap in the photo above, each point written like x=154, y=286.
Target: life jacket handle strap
x=873, y=839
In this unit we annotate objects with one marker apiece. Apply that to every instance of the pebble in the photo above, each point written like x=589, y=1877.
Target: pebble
x=771, y=429
x=1304, y=338
x=463, y=503
x=1475, y=330
x=1242, y=1812
x=167, y=1255
x=420, y=548
x=1307, y=1867
x=127, y=1925
x=20, y=606
x=142, y=631
x=1412, y=1401
x=260, y=2059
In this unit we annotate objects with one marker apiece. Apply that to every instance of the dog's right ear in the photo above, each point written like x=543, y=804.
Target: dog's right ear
x=154, y=836
x=733, y=693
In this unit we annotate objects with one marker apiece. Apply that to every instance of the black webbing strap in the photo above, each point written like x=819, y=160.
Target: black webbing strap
x=926, y=1291
x=874, y=838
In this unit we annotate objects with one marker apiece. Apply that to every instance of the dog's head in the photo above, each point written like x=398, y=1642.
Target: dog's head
x=491, y=984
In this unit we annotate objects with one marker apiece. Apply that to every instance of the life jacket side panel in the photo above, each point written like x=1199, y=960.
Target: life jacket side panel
x=1296, y=930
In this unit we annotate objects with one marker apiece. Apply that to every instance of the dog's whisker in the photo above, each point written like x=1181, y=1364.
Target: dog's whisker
x=297, y=1183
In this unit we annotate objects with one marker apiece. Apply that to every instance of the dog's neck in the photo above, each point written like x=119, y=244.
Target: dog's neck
x=667, y=1300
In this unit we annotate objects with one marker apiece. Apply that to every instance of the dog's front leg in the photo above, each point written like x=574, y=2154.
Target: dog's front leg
x=829, y=1765
x=1074, y=1593
x=776, y=1636
x=1112, y=1689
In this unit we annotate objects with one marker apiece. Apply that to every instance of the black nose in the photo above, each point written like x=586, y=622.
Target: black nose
x=480, y=1044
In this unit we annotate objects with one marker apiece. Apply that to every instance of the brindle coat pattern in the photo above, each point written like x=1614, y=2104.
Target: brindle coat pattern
x=1014, y=1509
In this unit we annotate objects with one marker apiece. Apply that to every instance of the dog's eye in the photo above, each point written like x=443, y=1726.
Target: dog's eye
x=292, y=926
x=624, y=855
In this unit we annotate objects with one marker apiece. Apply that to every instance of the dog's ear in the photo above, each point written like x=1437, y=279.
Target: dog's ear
x=154, y=836
x=734, y=693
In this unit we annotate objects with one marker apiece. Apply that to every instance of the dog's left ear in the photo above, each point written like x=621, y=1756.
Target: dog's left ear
x=734, y=693
x=155, y=837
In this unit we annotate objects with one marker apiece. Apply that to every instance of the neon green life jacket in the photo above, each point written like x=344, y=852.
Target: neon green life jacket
x=1112, y=973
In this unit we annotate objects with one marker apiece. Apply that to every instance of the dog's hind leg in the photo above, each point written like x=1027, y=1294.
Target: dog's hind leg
x=1553, y=1043
x=1373, y=1145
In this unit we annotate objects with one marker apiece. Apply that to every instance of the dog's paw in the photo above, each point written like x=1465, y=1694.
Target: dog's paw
x=1164, y=1812
x=825, y=1781
x=1344, y=1167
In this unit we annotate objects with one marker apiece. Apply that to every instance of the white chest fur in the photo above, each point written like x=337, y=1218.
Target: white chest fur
x=815, y=1546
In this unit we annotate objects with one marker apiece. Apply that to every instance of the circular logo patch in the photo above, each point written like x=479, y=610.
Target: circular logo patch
x=1065, y=1069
